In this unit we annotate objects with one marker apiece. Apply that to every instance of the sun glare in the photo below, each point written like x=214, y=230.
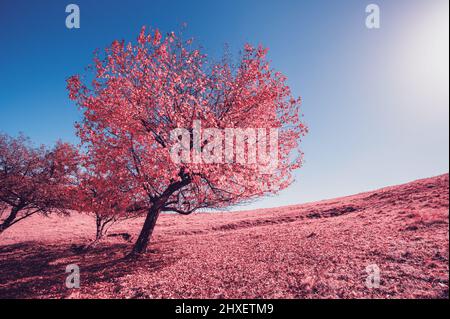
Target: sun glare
x=420, y=69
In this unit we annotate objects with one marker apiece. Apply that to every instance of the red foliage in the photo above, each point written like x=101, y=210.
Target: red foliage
x=100, y=193
x=34, y=180
x=142, y=92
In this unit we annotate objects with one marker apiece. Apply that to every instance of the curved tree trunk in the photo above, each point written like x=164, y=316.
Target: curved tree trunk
x=144, y=237
x=9, y=220
x=153, y=213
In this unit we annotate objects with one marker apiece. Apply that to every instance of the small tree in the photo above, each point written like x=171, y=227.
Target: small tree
x=145, y=94
x=99, y=194
x=34, y=180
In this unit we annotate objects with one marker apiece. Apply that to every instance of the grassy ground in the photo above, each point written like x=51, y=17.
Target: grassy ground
x=316, y=250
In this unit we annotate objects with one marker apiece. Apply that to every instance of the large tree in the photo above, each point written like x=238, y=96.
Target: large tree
x=144, y=95
x=34, y=180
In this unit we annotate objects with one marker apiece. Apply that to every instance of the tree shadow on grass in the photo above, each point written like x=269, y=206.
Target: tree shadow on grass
x=35, y=270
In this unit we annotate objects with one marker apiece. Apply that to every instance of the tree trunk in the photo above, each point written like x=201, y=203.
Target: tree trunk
x=144, y=237
x=99, y=230
x=153, y=213
x=7, y=222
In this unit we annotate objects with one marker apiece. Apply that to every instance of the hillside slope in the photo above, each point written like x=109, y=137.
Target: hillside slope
x=315, y=250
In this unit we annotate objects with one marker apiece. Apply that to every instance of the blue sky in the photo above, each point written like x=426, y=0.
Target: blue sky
x=376, y=101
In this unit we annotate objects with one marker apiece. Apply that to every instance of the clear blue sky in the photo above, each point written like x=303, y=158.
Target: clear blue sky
x=376, y=101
